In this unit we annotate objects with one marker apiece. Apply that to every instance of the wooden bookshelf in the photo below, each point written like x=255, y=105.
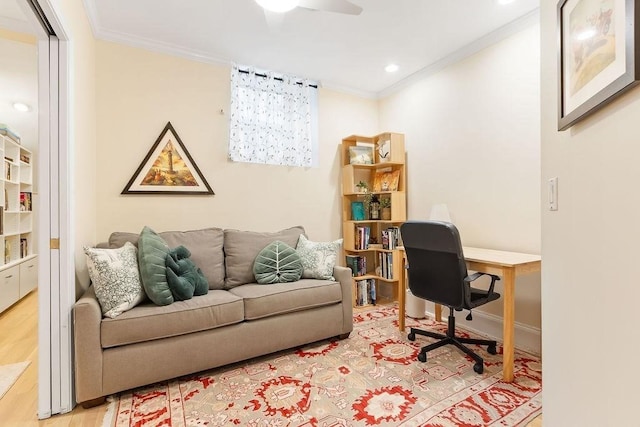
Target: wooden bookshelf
x=380, y=164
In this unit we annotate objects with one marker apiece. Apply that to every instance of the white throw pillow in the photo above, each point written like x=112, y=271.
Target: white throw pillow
x=318, y=258
x=115, y=277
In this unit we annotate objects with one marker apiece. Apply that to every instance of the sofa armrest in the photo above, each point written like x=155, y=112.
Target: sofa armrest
x=343, y=275
x=87, y=348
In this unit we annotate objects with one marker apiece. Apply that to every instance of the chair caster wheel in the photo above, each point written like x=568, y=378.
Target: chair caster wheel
x=492, y=349
x=422, y=357
x=411, y=337
x=478, y=367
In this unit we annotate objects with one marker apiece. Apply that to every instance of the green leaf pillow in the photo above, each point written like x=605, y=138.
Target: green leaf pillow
x=152, y=255
x=184, y=277
x=277, y=263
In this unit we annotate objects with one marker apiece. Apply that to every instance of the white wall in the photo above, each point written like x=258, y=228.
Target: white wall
x=590, y=255
x=140, y=91
x=473, y=143
x=82, y=130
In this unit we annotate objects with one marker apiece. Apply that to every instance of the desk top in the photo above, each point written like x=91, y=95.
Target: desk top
x=490, y=256
x=499, y=258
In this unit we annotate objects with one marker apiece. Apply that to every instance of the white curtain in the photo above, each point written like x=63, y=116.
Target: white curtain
x=272, y=118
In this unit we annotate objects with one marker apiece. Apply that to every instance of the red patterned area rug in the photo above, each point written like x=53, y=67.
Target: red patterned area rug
x=370, y=379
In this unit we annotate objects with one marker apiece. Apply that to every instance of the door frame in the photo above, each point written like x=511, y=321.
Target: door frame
x=56, y=273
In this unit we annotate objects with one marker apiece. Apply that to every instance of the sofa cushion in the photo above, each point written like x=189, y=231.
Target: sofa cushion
x=264, y=301
x=148, y=322
x=242, y=247
x=205, y=246
x=152, y=254
x=206, y=250
x=119, y=238
x=318, y=258
x=115, y=277
x=277, y=263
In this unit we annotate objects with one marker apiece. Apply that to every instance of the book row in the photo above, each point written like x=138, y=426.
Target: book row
x=365, y=292
x=385, y=261
x=357, y=264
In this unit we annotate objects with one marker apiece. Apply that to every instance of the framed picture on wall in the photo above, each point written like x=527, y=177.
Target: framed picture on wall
x=168, y=168
x=597, y=58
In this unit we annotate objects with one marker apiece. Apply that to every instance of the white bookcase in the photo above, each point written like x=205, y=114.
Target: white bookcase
x=18, y=263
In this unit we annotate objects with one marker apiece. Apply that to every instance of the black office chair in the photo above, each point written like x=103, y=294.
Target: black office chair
x=438, y=272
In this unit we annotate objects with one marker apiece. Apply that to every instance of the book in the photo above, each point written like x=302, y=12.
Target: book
x=25, y=202
x=357, y=211
x=24, y=247
x=352, y=262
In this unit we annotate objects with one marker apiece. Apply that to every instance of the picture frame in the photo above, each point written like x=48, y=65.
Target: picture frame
x=168, y=168
x=386, y=180
x=598, y=42
x=361, y=155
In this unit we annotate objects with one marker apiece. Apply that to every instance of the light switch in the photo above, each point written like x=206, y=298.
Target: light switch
x=553, y=194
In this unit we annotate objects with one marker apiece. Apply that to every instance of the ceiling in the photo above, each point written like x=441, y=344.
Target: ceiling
x=340, y=51
x=18, y=73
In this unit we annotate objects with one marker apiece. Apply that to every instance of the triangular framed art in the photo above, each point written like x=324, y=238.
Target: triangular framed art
x=168, y=168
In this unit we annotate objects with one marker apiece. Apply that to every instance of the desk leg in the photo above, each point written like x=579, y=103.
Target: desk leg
x=401, y=302
x=438, y=312
x=402, y=294
x=508, y=321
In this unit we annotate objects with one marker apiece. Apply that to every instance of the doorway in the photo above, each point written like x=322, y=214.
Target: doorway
x=34, y=24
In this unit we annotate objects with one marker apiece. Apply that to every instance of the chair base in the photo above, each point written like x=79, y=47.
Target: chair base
x=450, y=338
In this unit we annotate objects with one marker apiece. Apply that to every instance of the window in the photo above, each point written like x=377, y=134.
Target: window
x=273, y=119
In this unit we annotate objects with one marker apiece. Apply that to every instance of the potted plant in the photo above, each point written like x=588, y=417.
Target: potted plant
x=385, y=207
x=362, y=187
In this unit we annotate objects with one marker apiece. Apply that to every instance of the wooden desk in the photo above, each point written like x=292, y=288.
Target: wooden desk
x=507, y=265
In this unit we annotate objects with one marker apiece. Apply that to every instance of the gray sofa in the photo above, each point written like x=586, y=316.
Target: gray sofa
x=235, y=321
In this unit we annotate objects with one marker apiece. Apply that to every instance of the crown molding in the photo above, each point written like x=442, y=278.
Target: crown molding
x=483, y=42
x=492, y=38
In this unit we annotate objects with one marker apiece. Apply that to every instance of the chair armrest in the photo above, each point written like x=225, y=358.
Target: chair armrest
x=476, y=276
x=87, y=317
x=343, y=275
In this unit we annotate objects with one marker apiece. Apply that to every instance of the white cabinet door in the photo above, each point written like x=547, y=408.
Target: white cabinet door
x=9, y=287
x=28, y=276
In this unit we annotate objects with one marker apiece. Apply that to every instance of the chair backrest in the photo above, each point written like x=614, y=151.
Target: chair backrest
x=436, y=263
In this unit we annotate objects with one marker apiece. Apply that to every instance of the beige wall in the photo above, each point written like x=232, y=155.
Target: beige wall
x=82, y=129
x=473, y=143
x=590, y=252
x=138, y=92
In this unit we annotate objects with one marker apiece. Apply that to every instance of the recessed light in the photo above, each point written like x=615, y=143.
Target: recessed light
x=21, y=106
x=278, y=6
x=391, y=68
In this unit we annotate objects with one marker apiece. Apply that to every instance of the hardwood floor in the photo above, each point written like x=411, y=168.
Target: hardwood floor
x=19, y=342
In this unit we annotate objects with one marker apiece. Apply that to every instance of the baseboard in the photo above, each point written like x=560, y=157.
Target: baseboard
x=527, y=338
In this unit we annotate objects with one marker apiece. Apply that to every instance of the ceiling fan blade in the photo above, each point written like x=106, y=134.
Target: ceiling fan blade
x=338, y=6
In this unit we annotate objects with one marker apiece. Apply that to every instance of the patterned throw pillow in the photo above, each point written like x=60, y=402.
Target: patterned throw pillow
x=277, y=263
x=318, y=258
x=115, y=277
